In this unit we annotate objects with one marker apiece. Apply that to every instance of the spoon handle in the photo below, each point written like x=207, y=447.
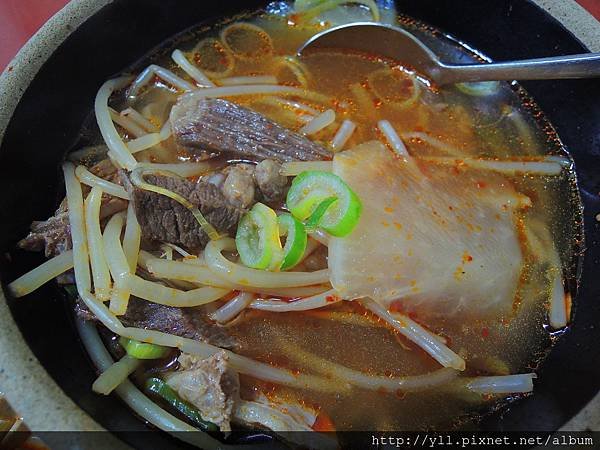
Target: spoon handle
x=586, y=65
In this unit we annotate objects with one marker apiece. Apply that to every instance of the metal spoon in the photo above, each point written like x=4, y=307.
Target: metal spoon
x=397, y=44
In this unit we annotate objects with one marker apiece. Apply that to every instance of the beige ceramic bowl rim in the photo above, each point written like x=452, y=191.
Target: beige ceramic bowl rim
x=48, y=407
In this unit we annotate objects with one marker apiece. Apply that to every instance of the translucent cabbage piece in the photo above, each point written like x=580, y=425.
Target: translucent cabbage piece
x=436, y=239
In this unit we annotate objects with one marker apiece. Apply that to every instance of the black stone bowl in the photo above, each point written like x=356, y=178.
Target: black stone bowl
x=47, y=120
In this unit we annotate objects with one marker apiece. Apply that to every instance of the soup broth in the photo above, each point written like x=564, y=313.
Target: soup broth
x=503, y=125
x=481, y=139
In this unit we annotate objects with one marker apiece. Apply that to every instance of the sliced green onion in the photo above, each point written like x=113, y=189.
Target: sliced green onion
x=479, y=89
x=143, y=350
x=257, y=239
x=258, y=244
x=160, y=388
x=312, y=224
x=295, y=243
x=308, y=192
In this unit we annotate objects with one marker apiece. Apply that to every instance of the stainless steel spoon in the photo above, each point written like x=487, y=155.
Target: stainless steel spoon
x=398, y=44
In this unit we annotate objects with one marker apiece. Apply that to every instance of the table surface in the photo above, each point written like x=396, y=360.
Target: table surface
x=20, y=19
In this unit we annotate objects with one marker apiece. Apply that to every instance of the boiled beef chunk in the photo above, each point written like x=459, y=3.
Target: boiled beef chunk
x=208, y=384
x=165, y=220
x=238, y=185
x=187, y=323
x=272, y=185
x=207, y=125
x=53, y=235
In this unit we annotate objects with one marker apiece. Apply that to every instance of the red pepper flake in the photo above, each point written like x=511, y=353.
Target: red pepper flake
x=485, y=332
x=331, y=298
x=268, y=388
x=448, y=339
x=323, y=423
x=396, y=306
x=481, y=184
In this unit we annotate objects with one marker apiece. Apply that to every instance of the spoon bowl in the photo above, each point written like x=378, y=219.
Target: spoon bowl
x=387, y=41
x=399, y=45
